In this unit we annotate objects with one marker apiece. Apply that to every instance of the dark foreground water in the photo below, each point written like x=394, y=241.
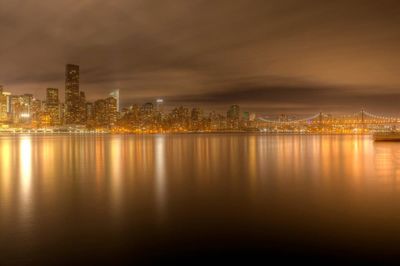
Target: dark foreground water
x=197, y=199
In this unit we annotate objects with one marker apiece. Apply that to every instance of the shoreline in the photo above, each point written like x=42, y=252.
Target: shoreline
x=188, y=133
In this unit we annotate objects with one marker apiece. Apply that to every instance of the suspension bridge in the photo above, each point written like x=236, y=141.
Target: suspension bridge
x=359, y=122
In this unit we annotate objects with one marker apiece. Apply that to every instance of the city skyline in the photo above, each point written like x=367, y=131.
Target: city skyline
x=73, y=94
x=291, y=56
x=77, y=114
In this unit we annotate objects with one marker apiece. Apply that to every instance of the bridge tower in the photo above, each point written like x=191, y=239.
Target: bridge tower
x=320, y=117
x=362, y=121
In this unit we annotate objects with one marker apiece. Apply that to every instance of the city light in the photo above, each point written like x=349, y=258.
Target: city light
x=25, y=113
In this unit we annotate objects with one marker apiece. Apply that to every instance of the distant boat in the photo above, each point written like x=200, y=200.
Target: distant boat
x=387, y=136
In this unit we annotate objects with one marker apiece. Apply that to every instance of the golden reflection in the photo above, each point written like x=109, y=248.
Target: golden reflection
x=252, y=160
x=6, y=173
x=48, y=163
x=160, y=174
x=25, y=153
x=124, y=169
x=387, y=163
x=116, y=182
x=99, y=162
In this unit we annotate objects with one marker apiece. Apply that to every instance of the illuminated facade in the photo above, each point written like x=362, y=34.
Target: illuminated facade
x=115, y=95
x=72, y=95
x=100, y=112
x=160, y=105
x=36, y=111
x=53, y=106
x=89, y=109
x=105, y=111
x=82, y=107
x=3, y=106
x=24, y=111
x=20, y=108
x=52, y=97
x=233, y=117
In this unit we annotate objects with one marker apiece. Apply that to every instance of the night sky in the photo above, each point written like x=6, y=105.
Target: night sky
x=270, y=56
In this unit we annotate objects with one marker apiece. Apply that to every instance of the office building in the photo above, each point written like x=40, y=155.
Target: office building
x=115, y=95
x=53, y=106
x=3, y=106
x=72, y=95
x=52, y=97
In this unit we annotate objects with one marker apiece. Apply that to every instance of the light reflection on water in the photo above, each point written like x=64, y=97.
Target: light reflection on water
x=160, y=173
x=25, y=186
x=54, y=188
x=116, y=176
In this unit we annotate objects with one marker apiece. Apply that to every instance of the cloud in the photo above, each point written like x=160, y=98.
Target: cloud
x=203, y=51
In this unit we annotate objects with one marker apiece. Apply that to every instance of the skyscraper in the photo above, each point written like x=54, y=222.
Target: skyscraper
x=111, y=109
x=105, y=111
x=8, y=98
x=53, y=106
x=27, y=99
x=233, y=117
x=89, y=112
x=20, y=108
x=100, y=112
x=115, y=94
x=3, y=105
x=82, y=107
x=159, y=105
x=72, y=96
x=234, y=112
x=52, y=96
x=36, y=111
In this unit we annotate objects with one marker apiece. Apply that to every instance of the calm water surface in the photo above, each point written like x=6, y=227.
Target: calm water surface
x=82, y=199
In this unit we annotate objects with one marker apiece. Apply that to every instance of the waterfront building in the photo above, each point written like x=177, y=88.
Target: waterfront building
x=233, y=112
x=160, y=105
x=20, y=108
x=196, y=119
x=100, y=112
x=111, y=110
x=233, y=117
x=180, y=118
x=115, y=95
x=82, y=108
x=72, y=95
x=105, y=111
x=36, y=110
x=89, y=112
x=52, y=96
x=53, y=106
x=148, y=109
x=3, y=106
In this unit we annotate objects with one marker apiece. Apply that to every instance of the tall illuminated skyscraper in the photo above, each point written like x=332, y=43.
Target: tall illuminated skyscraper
x=3, y=105
x=115, y=94
x=72, y=96
x=53, y=106
x=82, y=107
x=233, y=117
x=159, y=105
x=234, y=112
x=8, y=99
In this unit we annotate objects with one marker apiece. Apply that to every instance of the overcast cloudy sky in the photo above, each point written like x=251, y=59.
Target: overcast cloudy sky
x=270, y=55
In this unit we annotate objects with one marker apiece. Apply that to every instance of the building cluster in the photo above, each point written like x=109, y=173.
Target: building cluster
x=26, y=111
x=150, y=117
x=76, y=113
